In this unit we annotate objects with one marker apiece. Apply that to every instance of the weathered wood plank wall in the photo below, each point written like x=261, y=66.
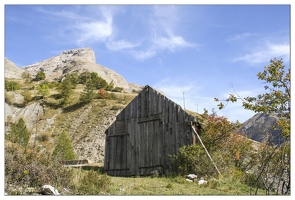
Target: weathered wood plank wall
x=144, y=134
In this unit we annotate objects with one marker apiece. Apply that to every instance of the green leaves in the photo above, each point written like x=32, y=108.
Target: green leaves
x=11, y=85
x=276, y=99
x=88, y=93
x=40, y=76
x=63, y=148
x=19, y=133
x=43, y=89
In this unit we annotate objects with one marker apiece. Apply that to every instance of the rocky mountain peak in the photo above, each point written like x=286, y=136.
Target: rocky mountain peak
x=74, y=60
x=83, y=54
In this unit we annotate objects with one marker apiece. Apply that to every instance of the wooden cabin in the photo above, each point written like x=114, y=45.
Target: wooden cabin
x=149, y=129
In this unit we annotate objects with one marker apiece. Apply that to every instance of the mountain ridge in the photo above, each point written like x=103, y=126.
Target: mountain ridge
x=75, y=60
x=260, y=127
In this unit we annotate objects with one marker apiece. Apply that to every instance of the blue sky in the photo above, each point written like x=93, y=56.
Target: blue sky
x=196, y=51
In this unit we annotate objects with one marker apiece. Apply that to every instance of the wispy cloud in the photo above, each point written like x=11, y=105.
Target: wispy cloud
x=94, y=31
x=88, y=26
x=120, y=45
x=172, y=43
x=164, y=23
x=266, y=52
x=143, y=55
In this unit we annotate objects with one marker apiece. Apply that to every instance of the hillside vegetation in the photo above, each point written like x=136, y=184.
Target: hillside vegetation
x=49, y=121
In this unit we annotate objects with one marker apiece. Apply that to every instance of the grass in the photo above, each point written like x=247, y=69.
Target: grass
x=175, y=186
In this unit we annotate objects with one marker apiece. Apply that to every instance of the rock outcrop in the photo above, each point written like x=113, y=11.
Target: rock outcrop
x=29, y=113
x=75, y=60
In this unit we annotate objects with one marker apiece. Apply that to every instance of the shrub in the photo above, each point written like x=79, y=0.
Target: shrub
x=117, y=89
x=43, y=90
x=102, y=94
x=110, y=86
x=26, y=75
x=25, y=168
x=93, y=183
x=192, y=159
x=111, y=96
x=27, y=96
x=9, y=99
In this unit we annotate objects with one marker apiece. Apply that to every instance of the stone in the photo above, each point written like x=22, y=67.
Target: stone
x=202, y=181
x=49, y=190
x=191, y=177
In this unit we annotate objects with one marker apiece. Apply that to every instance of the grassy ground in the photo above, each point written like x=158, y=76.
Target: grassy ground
x=176, y=186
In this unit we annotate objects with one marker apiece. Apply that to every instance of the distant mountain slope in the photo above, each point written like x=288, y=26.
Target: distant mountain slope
x=11, y=70
x=258, y=126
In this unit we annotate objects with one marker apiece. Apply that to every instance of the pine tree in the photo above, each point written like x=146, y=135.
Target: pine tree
x=20, y=133
x=63, y=149
x=88, y=93
x=66, y=89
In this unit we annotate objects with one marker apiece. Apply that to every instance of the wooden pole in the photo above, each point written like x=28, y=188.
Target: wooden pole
x=205, y=149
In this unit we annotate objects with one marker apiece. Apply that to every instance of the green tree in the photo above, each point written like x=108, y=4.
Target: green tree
x=276, y=101
x=19, y=133
x=99, y=82
x=277, y=98
x=66, y=89
x=93, y=75
x=63, y=149
x=43, y=90
x=11, y=85
x=40, y=76
x=74, y=77
x=84, y=76
x=88, y=93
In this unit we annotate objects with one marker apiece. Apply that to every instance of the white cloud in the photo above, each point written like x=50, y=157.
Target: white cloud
x=87, y=25
x=94, y=31
x=143, y=55
x=120, y=45
x=266, y=52
x=172, y=43
x=61, y=15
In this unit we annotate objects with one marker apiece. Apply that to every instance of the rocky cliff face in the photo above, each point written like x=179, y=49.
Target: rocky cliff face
x=75, y=60
x=258, y=126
